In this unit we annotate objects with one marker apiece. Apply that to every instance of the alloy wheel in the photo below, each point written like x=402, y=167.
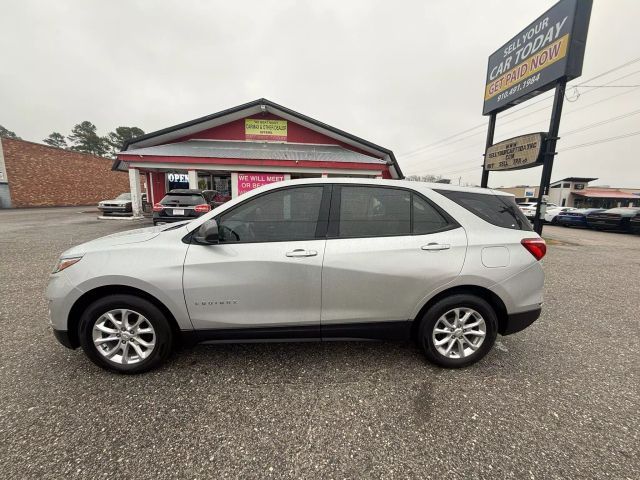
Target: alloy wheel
x=124, y=337
x=459, y=332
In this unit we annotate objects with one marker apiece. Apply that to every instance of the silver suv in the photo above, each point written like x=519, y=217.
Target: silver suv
x=450, y=267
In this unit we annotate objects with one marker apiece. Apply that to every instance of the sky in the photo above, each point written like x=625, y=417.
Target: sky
x=405, y=74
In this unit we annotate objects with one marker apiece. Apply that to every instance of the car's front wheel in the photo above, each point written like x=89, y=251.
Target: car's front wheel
x=458, y=330
x=125, y=333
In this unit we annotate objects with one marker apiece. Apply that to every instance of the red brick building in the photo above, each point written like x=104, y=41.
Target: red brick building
x=35, y=175
x=247, y=146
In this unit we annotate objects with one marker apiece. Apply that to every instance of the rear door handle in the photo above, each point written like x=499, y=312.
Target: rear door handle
x=300, y=252
x=436, y=246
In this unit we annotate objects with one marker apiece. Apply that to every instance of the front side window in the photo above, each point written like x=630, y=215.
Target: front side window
x=284, y=215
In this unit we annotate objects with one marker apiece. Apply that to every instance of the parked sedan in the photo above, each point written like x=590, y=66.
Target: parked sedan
x=182, y=204
x=119, y=206
x=613, y=219
x=576, y=217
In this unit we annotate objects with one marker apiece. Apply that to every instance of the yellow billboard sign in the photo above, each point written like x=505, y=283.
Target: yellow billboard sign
x=265, y=129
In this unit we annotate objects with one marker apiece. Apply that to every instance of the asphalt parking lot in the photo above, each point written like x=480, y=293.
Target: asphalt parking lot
x=558, y=400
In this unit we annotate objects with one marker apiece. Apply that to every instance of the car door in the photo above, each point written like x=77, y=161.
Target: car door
x=387, y=248
x=266, y=271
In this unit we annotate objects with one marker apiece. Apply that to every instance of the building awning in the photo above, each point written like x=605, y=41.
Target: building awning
x=251, y=151
x=607, y=194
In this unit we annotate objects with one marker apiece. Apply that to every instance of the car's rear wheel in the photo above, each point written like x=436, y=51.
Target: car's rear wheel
x=125, y=333
x=458, y=330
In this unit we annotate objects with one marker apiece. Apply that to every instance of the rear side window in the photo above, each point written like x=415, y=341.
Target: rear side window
x=426, y=219
x=380, y=212
x=183, y=200
x=372, y=212
x=498, y=210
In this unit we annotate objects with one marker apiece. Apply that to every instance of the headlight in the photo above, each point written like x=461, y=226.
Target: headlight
x=66, y=262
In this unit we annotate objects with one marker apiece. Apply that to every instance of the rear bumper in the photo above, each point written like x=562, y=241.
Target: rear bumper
x=63, y=337
x=519, y=321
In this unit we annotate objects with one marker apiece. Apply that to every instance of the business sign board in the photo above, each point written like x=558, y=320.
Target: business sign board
x=178, y=177
x=249, y=181
x=529, y=192
x=524, y=151
x=530, y=63
x=265, y=129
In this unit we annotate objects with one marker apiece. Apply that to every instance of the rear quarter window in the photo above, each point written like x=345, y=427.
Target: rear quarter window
x=498, y=210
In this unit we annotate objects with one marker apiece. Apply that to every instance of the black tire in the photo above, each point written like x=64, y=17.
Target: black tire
x=160, y=324
x=554, y=221
x=431, y=316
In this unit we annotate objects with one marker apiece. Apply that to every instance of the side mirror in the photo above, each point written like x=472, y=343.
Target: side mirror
x=207, y=233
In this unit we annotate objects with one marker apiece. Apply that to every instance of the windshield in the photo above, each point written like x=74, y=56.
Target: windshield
x=124, y=196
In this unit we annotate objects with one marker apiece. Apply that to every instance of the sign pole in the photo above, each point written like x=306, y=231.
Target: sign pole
x=554, y=127
x=490, y=132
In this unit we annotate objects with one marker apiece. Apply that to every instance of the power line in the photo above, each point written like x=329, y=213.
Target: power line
x=602, y=140
x=610, y=86
x=424, y=147
x=572, y=147
x=602, y=122
x=531, y=113
x=447, y=154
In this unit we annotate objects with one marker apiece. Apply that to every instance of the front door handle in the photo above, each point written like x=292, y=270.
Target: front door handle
x=300, y=252
x=436, y=246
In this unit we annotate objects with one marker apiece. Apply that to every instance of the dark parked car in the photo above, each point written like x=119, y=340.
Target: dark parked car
x=613, y=219
x=576, y=218
x=634, y=223
x=183, y=204
x=119, y=206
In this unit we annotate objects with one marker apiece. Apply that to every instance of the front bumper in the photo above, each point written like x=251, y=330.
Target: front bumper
x=123, y=211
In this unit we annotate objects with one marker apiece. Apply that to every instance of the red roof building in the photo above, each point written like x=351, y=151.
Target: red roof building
x=247, y=146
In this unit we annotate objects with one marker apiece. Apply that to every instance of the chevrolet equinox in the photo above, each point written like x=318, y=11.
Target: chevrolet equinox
x=316, y=259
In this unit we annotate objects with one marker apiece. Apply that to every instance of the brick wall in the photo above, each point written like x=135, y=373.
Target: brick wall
x=43, y=176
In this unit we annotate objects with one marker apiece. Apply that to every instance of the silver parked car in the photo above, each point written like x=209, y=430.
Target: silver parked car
x=450, y=267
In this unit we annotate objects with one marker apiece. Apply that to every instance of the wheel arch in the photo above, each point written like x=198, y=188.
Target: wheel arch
x=490, y=297
x=90, y=296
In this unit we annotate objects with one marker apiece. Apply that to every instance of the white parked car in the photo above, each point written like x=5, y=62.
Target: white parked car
x=529, y=208
x=552, y=212
x=450, y=267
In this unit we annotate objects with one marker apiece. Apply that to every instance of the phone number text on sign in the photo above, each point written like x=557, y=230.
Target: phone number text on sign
x=249, y=181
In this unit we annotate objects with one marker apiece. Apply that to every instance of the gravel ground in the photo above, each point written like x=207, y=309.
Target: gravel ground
x=558, y=400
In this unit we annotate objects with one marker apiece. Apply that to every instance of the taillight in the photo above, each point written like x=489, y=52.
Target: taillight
x=203, y=208
x=536, y=247
x=158, y=207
